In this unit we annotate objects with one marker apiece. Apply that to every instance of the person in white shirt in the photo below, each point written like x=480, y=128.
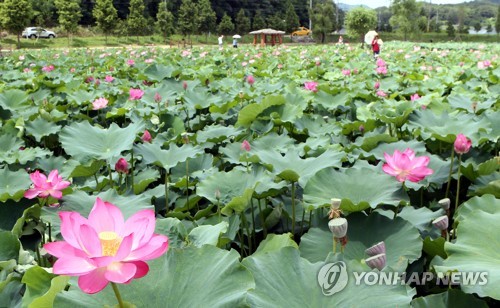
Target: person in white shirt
x=220, y=40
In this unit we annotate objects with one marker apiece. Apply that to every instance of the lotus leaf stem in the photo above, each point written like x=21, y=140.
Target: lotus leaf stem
x=458, y=182
x=449, y=175
x=262, y=220
x=293, y=207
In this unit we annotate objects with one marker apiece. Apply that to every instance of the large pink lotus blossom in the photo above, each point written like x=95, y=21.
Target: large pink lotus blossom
x=381, y=93
x=381, y=70
x=380, y=62
x=462, y=144
x=135, y=94
x=44, y=187
x=99, y=103
x=405, y=166
x=104, y=248
x=109, y=78
x=311, y=86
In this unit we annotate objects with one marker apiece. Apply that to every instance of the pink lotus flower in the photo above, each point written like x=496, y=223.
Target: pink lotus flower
x=346, y=72
x=109, y=78
x=381, y=93
x=121, y=166
x=44, y=187
x=99, y=103
x=462, y=144
x=146, y=136
x=380, y=62
x=104, y=248
x=311, y=86
x=414, y=97
x=405, y=166
x=381, y=70
x=184, y=85
x=376, y=85
x=245, y=145
x=250, y=80
x=135, y=94
x=130, y=62
x=48, y=68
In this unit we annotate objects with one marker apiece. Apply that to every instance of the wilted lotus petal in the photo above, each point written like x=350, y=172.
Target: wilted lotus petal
x=338, y=226
x=444, y=203
x=441, y=222
x=376, y=249
x=377, y=261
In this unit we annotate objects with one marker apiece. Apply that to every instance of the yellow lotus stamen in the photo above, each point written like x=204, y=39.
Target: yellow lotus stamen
x=110, y=242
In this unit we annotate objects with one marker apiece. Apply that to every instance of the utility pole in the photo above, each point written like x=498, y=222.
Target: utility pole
x=310, y=13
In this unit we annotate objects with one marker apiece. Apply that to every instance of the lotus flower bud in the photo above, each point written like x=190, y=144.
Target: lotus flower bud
x=121, y=166
x=184, y=85
x=217, y=194
x=250, y=80
x=335, y=203
x=245, y=145
x=376, y=249
x=158, y=97
x=444, y=203
x=377, y=261
x=338, y=226
x=441, y=222
x=146, y=136
x=462, y=144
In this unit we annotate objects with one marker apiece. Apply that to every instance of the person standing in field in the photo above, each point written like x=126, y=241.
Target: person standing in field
x=220, y=40
x=376, y=45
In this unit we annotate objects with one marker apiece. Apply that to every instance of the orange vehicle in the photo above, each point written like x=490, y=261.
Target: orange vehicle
x=301, y=31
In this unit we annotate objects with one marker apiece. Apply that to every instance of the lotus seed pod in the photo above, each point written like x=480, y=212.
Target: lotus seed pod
x=444, y=203
x=377, y=261
x=441, y=222
x=335, y=203
x=376, y=249
x=338, y=226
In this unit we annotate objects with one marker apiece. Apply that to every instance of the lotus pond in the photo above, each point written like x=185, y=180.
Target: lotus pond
x=230, y=178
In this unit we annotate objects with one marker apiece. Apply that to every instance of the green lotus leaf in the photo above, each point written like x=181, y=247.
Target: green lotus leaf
x=475, y=249
x=158, y=72
x=488, y=184
x=251, y=112
x=174, y=229
x=13, y=184
x=216, y=133
x=275, y=282
x=39, y=128
x=42, y=287
x=65, y=166
x=152, y=153
x=207, y=234
x=450, y=298
x=402, y=240
x=180, y=278
x=12, y=211
x=445, y=128
x=87, y=171
x=85, y=142
x=358, y=187
x=10, y=246
x=14, y=100
x=291, y=167
x=144, y=178
x=81, y=97
x=274, y=242
x=235, y=188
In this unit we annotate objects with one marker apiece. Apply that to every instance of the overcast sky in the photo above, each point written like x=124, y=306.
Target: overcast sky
x=379, y=3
